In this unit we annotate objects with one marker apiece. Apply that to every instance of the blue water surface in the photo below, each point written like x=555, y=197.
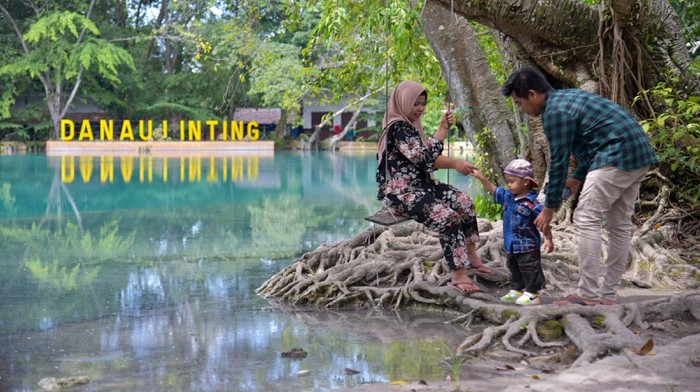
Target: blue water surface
x=140, y=273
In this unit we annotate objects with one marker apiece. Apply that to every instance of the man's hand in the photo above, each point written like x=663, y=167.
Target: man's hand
x=544, y=218
x=573, y=185
x=548, y=246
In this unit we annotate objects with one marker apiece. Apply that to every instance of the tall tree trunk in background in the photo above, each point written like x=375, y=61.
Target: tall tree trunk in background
x=473, y=87
x=157, y=25
x=281, y=125
x=333, y=142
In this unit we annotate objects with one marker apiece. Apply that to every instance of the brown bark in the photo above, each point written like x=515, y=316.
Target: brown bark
x=403, y=266
x=564, y=37
x=472, y=86
x=159, y=22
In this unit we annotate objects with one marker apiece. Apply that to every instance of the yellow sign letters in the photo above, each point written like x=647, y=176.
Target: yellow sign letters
x=190, y=130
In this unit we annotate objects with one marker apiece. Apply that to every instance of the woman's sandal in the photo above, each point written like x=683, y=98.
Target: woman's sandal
x=482, y=269
x=471, y=286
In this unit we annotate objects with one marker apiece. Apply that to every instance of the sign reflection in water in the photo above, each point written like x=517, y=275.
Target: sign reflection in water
x=143, y=278
x=186, y=169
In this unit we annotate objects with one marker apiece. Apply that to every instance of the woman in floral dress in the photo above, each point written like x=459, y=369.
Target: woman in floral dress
x=407, y=186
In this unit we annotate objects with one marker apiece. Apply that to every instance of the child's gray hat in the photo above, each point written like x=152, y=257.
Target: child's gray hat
x=523, y=169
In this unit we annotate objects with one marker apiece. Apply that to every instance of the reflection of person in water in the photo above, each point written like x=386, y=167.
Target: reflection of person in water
x=407, y=186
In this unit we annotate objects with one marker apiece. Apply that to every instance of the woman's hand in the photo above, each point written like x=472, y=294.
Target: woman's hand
x=448, y=120
x=464, y=167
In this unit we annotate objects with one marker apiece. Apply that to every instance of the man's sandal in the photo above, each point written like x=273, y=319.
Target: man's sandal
x=573, y=299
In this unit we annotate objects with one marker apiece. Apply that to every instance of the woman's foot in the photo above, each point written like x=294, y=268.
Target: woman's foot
x=480, y=268
x=466, y=286
x=475, y=262
x=461, y=282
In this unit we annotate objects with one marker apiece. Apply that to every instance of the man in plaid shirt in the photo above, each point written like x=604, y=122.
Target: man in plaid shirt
x=614, y=155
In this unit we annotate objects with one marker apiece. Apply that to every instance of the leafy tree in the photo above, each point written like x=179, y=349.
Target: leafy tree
x=59, y=47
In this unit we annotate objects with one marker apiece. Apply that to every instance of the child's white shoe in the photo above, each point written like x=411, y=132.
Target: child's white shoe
x=528, y=299
x=511, y=296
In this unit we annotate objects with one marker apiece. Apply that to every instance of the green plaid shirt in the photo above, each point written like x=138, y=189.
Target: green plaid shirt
x=597, y=131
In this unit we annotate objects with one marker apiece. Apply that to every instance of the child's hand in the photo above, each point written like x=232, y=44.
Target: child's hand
x=548, y=246
x=477, y=174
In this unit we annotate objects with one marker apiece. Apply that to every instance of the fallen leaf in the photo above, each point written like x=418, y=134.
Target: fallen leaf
x=303, y=372
x=422, y=382
x=695, y=361
x=505, y=367
x=398, y=382
x=350, y=371
x=646, y=348
x=535, y=377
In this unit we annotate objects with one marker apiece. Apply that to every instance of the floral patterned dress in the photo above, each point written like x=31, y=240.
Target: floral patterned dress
x=407, y=188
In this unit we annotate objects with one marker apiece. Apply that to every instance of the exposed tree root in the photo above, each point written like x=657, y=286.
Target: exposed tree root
x=403, y=266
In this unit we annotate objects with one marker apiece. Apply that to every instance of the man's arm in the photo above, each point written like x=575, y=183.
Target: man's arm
x=544, y=218
x=560, y=129
x=548, y=241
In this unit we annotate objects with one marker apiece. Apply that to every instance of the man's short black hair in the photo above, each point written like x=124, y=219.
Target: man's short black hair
x=525, y=79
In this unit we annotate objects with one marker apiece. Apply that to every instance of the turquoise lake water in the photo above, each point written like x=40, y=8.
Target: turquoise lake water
x=140, y=273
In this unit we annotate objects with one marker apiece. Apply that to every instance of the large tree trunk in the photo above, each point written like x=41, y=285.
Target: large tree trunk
x=472, y=86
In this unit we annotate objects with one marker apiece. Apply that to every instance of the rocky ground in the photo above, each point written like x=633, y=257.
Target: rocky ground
x=672, y=365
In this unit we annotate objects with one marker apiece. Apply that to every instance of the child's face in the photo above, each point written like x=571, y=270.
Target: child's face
x=518, y=185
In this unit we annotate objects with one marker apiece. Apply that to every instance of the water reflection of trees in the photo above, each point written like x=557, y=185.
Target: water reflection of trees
x=412, y=343
x=83, y=250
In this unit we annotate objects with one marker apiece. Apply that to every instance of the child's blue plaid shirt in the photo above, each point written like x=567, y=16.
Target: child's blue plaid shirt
x=519, y=232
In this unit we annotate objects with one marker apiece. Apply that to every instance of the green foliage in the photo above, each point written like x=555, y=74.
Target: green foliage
x=453, y=363
x=61, y=277
x=7, y=198
x=60, y=49
x=167, y=110
x=276, y=75
x=491, y=51
x=689, y=14
x=55, y=26
x=56, y=53
x=550, y=330
x=674, y=131
x=487, y=208
x=278, y=225
x=362, y=47
x=420, y=359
